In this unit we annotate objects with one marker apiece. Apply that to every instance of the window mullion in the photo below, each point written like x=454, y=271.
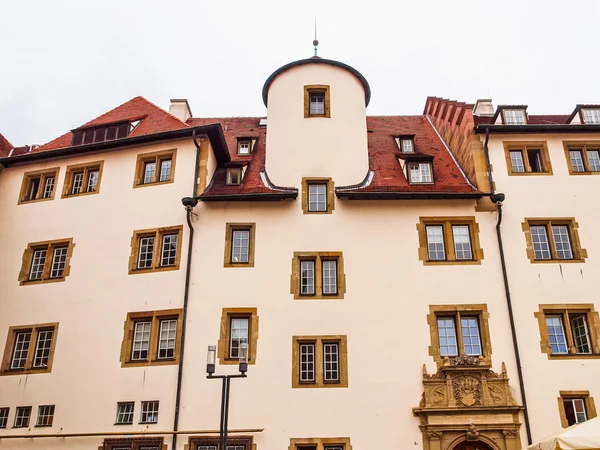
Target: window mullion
x=449, y=242
x=154, y=336
x=584, y=156
x=157, y=250
x=318, y=276
x=32, y=347
x=551, y=241
x=156, y=169
x=48, y=263
x=319, y=372
x=569, y=332
x=459, y=334
x=526, y=160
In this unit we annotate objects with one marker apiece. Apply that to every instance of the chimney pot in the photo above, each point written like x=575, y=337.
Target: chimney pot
x=180, y=108
x=483, y=108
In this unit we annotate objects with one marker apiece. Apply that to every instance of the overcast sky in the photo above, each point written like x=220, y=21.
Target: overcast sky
x=63, y=63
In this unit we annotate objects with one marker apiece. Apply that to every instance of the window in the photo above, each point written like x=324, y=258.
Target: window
x=591, y=115
x=514, y=116
x=320, y=444
x=141, y=443
x=318, y=275
x=212, y=443
x=238, y=326
x=527, y=158
x=419, y=172
x=103, y=133
x=234, y=176
x=47, y=261
x=155, y=168
x=4, y=417
x=583, y=158
x=83, y=179
x=319, y=361
x=38, y=185
x=22, y=417
x=459, y=330
x=553, y=240
x=317, y=101
x=29, y=349
x=125, y=413
x=149, y=412
x=449, y=240
x=155, y=249
x=569, y=331
x=45, y=416
x=151, y=338
x=246, y=146
x=317, y=196
x=406, y=144
x=239, y=244
x=575, y=407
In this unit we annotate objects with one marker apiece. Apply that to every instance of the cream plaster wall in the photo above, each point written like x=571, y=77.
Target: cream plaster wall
x=558, y=195
x=329, y=147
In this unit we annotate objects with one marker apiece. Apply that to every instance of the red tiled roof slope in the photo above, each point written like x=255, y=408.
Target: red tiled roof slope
x=532, y=119
x=155, y=120
x=5, y=146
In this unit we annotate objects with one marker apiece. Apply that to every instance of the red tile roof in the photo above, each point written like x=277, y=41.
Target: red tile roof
x=532, y=119
x=5, y=146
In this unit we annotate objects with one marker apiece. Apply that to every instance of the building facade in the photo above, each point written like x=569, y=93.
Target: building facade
x=355, y=258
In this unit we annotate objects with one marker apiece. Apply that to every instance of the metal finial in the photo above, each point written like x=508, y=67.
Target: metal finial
x=315, y=42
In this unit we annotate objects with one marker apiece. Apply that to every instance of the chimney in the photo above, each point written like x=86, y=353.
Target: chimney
x=180, y=108
x=483, y=108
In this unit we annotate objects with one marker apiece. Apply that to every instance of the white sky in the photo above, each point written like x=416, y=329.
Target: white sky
x=63, y=63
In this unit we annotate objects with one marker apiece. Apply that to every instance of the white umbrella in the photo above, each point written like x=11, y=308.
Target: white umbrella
x=585, y=435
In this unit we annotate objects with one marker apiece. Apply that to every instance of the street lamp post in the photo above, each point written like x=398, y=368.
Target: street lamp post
x=210, y=370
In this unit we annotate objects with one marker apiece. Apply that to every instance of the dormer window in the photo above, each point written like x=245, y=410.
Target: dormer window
x=591, y=115
x=244, y=147
x=234, y=176
x=316, y=101
x=103, y=133
x=514, y=116
x=419, y=172
x=407, y=144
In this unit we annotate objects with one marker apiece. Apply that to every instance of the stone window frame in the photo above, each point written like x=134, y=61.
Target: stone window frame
x=317, y=89
x=24, y=273
x=134, y=443
x=155, y=317
x=86, y=168
x=447, y=222
x=593, y=322
x=230, y=227
x=306, y=181
x=342, y=341
x=225, y=332
x=158, y=234
x=194, y=441
x=524, y=146
x=42, y=174
x=590, y=405
x=583, y=146
x=479, y=310
x=10, y=345
x=318, y=257
x=579, y=254
x=158, y=156
x=319, y=443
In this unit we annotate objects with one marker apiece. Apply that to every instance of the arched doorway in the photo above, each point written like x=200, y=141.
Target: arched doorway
x=472, y=445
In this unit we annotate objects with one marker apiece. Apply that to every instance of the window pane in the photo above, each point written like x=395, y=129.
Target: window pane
x=59, y=261
x=169, y=250
x=149, y=172
x=541, y=249
x=240, y=246
x=556, y=335
x=577, y=161
x=535, y=160
x=331, y=361
x=77, y=182
x=594, y=160
x=48, y=187
x=307, y=277
x=471, y=338
x=462, y=242
x=317, y=104
x=307, y=362
x=34, y=185
x=244, y=148
x=42, y=349
x=3, y=417
x=407, y=145
x=435, y=243
x=141, y=341
x=562, y=242
x=166, y=340
x=22, y=417
x=425, y=169
x=125, y=412
x=317, y=197
x=37, y=264
x=591, y=115
x=447, y=337
x=581, y=335
x=45, y=416
x=239, y=335
x=514, y=116
x=92, y=183
x=330, y=277
x=516, y=161
x=149, y=412
x=21, y=349
x=165, y=170
x=146, y=254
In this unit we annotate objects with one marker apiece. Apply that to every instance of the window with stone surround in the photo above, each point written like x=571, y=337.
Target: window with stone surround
x=29, y=349
x=458, y=332
x=151, y=338
x=38, y=185
x=449, y=240
x=527, y=158
x=155, y=168
x=318, y=196
x=575, y=407
x=239, y=244
x=569, y=331
x=46, y=262
x=552, y=240
x=155, y=249
x=238, y=326
x=319, y=361
x=317, y=101
x=141, y=443
x=583, y=157
x=318, y=275
x=83, y=179
x=234, y=442
x=338, y=443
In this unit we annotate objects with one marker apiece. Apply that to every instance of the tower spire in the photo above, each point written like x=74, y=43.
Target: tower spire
x=315, y=42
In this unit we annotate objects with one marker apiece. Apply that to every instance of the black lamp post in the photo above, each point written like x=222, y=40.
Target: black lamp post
x=210, y=370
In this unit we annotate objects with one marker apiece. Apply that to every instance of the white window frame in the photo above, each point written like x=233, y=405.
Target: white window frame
x=92, y=181
x=308, y=272
x=240, y=246
x=167, y=338
x=49, y=187
x=471, y=335
x=38, y=262
x=330, y=276
x=42, y=348
x=45, y=416
x=556, y=330
x=514, y=117
x=317, y=197
x=140, y=329
x=125, y=410
x=149, y=172
x=308, y=368
x=331, y=362
x=169, y=250
x=316, y=103
x=166, y=167
x=591, y=115
x=21, y=350
x=146, y=242
x=238, y=335
x=448, y=342
x=149, y=411
x=407, y=145
x=59, y=262
x=420, y=172
x=22, y=417
x=433, y=247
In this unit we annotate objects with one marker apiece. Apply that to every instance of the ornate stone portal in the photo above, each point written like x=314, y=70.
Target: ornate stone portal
x=466, y=401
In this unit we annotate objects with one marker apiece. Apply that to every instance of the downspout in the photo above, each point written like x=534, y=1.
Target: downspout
x=498, y=199
x=189, y=204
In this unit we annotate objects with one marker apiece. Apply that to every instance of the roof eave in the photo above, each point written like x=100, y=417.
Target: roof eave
x=388, y=195
x=250, y=197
